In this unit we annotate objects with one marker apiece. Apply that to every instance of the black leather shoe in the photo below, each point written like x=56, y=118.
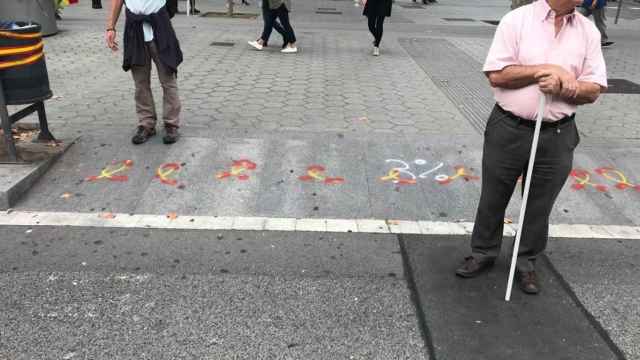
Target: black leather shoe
x=472, y=267
x=528, y=282
x=171, y=135
x=142, y=135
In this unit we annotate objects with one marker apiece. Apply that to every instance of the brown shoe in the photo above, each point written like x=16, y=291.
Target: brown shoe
x=472, y=267
x=171, y=135
x=528, y=282
x=142, y=135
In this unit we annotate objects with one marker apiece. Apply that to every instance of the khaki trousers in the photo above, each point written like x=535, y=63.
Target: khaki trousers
x=145, y=106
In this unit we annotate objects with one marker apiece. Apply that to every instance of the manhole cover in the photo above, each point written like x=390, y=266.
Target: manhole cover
x=329, y=12
x=457, y=19
x=412, y=6
x=222, y=43
x=492, y=22
x=622, y=86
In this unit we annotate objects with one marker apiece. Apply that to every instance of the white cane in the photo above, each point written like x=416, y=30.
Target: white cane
x=525, y=195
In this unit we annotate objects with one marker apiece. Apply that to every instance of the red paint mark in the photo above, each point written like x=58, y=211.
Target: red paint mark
x=617, y=176
x=395, y=177
x=582, y=179
x=109, y=173
x=166, y=172
x=316, y=173
x=461, y=172
x=239, y=169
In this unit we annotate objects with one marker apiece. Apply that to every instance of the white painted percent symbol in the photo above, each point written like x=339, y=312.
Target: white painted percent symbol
x=406, y=168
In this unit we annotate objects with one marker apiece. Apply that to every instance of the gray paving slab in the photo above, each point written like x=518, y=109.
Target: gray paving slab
x=603, y=276
x=339, y=191
x=468, y=318
x=66, y=187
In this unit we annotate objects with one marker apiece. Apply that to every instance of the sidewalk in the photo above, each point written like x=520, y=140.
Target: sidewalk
x=320, y=133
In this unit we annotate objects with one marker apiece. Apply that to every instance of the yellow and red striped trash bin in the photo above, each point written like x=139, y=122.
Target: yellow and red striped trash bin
x=23, y=71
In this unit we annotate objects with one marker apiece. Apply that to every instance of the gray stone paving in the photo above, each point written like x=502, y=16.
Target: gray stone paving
x=331, y=84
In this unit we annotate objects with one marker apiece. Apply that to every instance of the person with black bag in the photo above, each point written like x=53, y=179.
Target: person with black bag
x=376, y=11
x=149, y=37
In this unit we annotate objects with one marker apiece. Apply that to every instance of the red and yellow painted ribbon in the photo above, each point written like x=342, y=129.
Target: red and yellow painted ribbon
x=109, y=173
x=618, y=177
x=239, y=169
x=315, y=173
x=461, y=172
x=582, y=179
x=165, y=173
x=395, y=177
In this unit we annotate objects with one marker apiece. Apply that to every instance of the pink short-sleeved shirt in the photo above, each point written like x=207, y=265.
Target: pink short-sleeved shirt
x=526, y=36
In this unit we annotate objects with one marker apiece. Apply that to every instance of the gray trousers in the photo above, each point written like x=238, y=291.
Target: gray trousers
x=505, y=157
x=145, y=106
x=599, y=17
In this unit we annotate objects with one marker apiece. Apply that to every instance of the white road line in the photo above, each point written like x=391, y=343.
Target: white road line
x=72, y=219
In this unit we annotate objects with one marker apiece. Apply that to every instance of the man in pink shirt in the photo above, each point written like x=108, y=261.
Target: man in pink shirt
x=542, y=48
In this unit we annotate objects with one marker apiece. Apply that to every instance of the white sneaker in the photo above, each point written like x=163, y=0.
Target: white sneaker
x=289, y=50
x=376, y=51
x=256, y=45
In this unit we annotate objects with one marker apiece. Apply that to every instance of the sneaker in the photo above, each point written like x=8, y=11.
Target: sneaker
x=607, y=43
x=256, y=45
x=289, y=50
x=142, y=135
x=171, y=135
x=376, y=51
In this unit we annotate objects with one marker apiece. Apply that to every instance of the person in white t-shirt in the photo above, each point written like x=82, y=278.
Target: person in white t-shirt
x=149, y=37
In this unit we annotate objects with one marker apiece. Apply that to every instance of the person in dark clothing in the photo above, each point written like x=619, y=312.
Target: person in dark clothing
x=376, y=11
x=96, y=4
x=276, y=25
x=597, y=9
x=192, y=6
x=277, y=9
x=149, y=38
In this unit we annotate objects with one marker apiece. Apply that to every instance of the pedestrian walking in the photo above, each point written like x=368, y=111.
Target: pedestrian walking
x=376, y=11
x=260, y=43
x=598, y=10
x=274, y=10
x=192, y=8
x=96, y=4
x=542, y=47
x=149, y=37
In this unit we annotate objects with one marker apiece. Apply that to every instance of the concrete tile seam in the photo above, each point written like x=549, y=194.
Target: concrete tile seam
x=186, y=222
